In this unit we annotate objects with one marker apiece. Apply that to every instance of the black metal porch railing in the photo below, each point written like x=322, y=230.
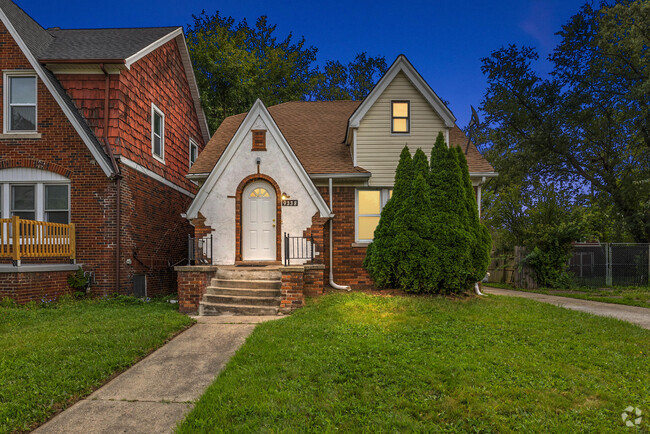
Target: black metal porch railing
x=298, y=248
x=199, y=250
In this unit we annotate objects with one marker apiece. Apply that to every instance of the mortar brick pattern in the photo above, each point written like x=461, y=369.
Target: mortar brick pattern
x=153, y=234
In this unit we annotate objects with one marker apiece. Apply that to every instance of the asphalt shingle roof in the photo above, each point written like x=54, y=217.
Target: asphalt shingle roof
x=315, y=130
x=80, y=44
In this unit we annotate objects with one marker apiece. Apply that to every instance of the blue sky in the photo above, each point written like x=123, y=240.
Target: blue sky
x=444, y=39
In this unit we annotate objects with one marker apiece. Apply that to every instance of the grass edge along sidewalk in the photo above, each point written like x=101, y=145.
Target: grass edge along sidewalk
x=627, y=295
x=355, y=361
x=50, y=357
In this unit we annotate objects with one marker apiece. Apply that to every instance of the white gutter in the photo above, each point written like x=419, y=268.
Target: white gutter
x=332, y=284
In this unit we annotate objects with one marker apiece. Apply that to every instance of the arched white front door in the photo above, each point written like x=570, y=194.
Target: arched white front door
x=258, y=222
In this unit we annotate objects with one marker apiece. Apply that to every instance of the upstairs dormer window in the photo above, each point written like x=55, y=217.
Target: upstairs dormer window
x=20, y=102
x=400, y=117
x=157, y=133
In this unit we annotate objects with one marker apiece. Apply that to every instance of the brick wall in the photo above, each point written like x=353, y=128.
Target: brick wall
x=192, y=283
x=154, y=235
x=348, y=260
x=36, y=286
x=292, y=295
x=158, y=78
x=61, y=150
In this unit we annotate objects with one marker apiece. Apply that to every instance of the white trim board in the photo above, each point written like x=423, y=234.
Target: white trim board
x=260, y=110
x=133, y=165
x=402, y=64
x=101, y=160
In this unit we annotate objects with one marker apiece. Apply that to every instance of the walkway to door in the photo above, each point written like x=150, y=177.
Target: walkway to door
x=157, y=393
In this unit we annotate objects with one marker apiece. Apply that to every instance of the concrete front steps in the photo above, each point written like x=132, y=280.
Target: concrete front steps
x=243, y=291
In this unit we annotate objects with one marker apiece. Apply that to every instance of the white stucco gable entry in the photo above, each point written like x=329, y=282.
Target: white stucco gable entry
x=277, y=167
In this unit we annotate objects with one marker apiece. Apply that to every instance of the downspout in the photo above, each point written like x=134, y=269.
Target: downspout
x=116, y=177
x=332, y=284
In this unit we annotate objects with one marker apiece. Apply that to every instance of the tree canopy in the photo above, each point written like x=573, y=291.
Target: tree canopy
x=587, y=125
x=236, y=63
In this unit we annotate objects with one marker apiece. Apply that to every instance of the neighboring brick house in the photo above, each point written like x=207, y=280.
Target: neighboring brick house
x=316, y=168
x=99, y=129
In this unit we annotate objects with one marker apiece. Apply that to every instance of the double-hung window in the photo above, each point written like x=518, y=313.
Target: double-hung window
x=400, y=117
x=194, y=152
x=20, y=102
x=23, y=201
x=157, y=133
x=57, y=207
x=369, y=203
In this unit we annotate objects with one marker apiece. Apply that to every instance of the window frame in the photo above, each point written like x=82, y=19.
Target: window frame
x=393, y=117
x=155, y=110
x=6, y=103
x=194, y=145
x=385, y=193
x=6, y=208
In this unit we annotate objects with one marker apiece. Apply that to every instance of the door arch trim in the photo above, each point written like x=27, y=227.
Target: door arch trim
x=238, y=215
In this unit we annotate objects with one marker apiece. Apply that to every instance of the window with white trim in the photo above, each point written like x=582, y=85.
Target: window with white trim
x=20, y=94
x=194, y=152
x=49, y=202
x=157, y=133
x=369, y=204
x=400, y=117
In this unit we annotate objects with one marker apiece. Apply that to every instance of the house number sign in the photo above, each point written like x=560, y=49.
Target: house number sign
x=290, y=202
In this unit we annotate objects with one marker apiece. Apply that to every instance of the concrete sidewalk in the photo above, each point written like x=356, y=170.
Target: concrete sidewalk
x=636, y=315
x=157, y=392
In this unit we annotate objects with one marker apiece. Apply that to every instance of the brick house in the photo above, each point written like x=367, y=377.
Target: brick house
x=99, y=130
x=308, y=169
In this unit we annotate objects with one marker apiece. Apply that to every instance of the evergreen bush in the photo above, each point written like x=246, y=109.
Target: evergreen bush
x=429, y=238
x=380, y=261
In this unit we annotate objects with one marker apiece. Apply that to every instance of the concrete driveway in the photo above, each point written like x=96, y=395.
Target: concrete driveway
x=157, y=392
x=636, y=315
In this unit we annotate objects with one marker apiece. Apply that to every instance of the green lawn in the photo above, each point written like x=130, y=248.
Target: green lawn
x=357, y=362
x=628, y=295
x=51, y=357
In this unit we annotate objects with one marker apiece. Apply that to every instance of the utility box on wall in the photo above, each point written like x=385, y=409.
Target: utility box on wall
x=139, y=285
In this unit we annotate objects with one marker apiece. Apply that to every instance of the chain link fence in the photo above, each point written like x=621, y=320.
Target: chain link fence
x=611, y=264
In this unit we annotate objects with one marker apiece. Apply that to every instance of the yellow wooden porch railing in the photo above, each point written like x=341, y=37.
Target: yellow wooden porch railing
x=31, y=239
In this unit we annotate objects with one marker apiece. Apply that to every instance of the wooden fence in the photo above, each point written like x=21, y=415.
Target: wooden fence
x=32, y=239
x=511, y=269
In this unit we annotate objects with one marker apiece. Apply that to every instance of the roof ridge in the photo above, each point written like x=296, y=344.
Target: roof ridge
x=112, y=28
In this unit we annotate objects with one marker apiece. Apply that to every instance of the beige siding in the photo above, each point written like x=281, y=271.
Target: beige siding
x=377, y=149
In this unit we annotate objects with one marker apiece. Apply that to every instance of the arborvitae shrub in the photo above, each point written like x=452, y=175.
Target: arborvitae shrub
x=482, y=241
x=380, y=261
x=413, y=227
x=429, y=238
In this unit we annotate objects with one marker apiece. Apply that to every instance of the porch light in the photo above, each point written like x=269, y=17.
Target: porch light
x=285, y=196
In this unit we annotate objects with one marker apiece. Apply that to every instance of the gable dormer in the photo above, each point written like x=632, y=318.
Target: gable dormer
x=401, y=110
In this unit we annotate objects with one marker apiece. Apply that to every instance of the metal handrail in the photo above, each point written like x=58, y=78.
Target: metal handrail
x=298, y=248
x=199, y=250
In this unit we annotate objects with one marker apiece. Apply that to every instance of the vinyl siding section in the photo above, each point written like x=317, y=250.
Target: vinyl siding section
x=378, y=149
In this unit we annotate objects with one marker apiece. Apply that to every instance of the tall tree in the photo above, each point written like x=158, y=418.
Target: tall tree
x=352, y=81
x=588, y=124
x=236, y=63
